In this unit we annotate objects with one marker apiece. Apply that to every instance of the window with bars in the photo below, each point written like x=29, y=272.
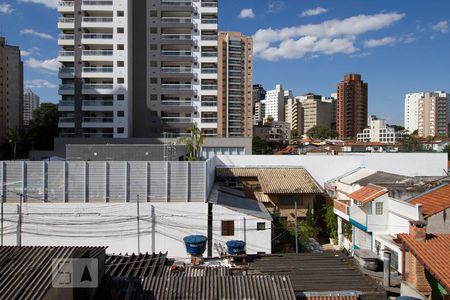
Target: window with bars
x=227, y=228
x=379, y=208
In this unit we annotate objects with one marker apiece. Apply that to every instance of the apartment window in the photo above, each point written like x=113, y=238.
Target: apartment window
x=260, y=226
x=153, y=13
x=120, y=63
x=120, y=80
x=153, y=97
x=227, y=228
x=379, y=208
x=120, y=47
x=120, y=130
x=121, y=97
x=153, y=47
x=153, y=80
x=121, y=113
x=120, y=13
x=153, y=30
x=120, y=30
x=153, y=64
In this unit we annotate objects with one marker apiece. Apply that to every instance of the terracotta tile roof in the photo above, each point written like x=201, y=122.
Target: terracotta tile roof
x=277, y=180
x=368, y=193
x=261, y=197
x=433, y=253
x=434, y=201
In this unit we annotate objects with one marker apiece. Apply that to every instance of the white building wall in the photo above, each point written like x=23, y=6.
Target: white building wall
x=274, y=103
x=412, y=111
x=162, y=226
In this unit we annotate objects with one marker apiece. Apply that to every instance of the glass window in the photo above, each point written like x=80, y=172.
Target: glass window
x=379, y=208
x=227, y=228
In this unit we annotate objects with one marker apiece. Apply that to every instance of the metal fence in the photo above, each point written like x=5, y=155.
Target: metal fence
x=115, y=181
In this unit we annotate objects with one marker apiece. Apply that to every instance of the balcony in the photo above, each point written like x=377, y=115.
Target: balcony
x=97, y=38
x=209, y=21
x=168, y=5
x=98, y=69
x=100, y=103
x=95, y=87
x=66, y=39
x=209, y=87
x=66, y=72
x=209, y=54
x=342, y=208
x=176, y=37
x=66, y=56
x=177, y=103
x=66, y=23
x=96, y=54
x=98, y=120
x=98, y=5
x=66, y=6
x=209, y=120
x=66, y=89
x=209, y=70
x=176, y=86
x=176, y=20
x=66, y=122
x=176, y=53
x=176, y=119
x=209, y=4
x=209, y=37
x=176, y=70
x=96, y=21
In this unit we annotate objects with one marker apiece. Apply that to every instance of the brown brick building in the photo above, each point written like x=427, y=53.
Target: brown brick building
x=352, y=106
x=11, y=89
x=235, y=86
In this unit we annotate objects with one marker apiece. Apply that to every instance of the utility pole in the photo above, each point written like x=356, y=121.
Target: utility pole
x=1, y=243
x=19, y=240
x=138, y=230
x=296, y=229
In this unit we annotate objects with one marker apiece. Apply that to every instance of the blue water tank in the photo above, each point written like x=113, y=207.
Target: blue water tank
x=236, y=247
x=195, y=244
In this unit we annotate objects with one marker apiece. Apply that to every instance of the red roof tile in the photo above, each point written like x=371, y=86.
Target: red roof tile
x=433, y=253
x=434, y=201
x=368, y=193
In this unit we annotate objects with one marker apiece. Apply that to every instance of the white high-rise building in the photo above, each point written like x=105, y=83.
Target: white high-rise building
x=274, y=103
x=378, y=131
x=30, y=103
x=428, y=113
x=137, y=68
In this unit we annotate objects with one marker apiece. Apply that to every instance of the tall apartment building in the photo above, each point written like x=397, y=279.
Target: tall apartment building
x=274, y=103
x=235, y=88
x=294, y=114
x=352, y=106
x=260, y=112
x=316, y=110
x=11, y=89
x=259, y=93
x=137, y=68
x=30, y=103
x=428, y=113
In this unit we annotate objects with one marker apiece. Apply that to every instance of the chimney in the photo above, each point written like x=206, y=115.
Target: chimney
x=418, y=230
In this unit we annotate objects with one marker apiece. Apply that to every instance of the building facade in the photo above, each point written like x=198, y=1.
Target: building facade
x=352, y=106
x=137, y=68
x=294, y=115
x=30, y=103
x=273, y=131
x=317, y=110
x=11, y=89
x=235, y=88
x=412, y=111
x=274, y=103
x=433, y=114
x=378, y=131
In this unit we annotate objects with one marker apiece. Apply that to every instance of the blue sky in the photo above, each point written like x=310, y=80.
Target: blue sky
x=398, y=46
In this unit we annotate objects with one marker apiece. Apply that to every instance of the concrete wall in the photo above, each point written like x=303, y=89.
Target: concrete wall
x=162, y=226
x=439, y=223
x=324, y=168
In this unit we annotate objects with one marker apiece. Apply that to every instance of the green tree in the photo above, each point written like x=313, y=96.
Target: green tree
x=261, y=147
x=309, y=216
x=14, y=137
x=331, y=222
x=194, y=142
x=397, y=127
x=43, y=127
x=321, y=132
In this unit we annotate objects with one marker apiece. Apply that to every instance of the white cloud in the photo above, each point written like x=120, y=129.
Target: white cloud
x=48, y=3
x=29, y=52
x=6, y=8
x=329, y=37
x=441, y=27
x=314, y=12
x=39, y=84
x=389, y=40
x=51, y=65
x=275, y=7
x=38, y=34
x=246, y=13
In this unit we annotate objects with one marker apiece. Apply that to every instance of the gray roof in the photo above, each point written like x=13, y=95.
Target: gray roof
x=382, y=177
x=236, y=200
x=316, y=272
x=25, y=272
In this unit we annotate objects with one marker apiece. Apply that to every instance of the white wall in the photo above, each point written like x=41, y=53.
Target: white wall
x=115, y=226
x=326, y=167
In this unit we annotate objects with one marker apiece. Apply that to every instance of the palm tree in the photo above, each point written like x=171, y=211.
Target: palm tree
x=193, y=142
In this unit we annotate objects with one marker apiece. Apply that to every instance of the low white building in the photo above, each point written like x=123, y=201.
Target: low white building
x=378, y=131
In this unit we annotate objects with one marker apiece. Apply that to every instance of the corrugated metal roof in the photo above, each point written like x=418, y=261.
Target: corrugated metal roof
x=226, y=287
x=433, y=253
x=277, y=180
x=25, y=272
x=316, y=272
x=358, y=174
x=368, y=193
x=142, y=265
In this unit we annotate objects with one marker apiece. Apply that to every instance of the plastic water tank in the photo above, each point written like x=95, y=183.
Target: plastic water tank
x=236, y=247
x=195, y=244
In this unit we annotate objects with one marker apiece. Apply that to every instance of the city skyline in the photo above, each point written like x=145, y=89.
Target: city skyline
x=398, y=35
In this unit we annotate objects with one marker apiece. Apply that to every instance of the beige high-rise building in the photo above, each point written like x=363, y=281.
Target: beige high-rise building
x=30, y=104
x=294, y=114
x=433, y=114
x=11, y=89
x=235, y=86
x=316, y=110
